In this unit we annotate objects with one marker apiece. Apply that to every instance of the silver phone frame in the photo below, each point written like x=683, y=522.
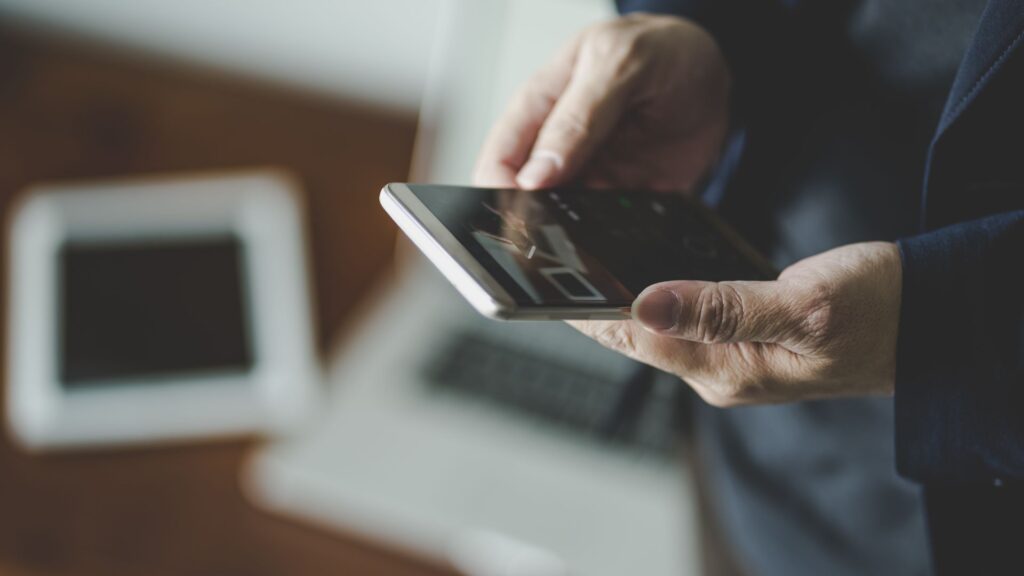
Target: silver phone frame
x=463, y=270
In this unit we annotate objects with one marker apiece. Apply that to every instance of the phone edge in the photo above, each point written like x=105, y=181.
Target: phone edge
x=423, y=229
x=462, y=270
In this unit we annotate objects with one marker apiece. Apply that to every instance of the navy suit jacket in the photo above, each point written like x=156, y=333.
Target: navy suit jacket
x=960, y=360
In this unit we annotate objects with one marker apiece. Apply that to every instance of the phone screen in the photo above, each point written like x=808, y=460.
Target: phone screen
x=585, y=248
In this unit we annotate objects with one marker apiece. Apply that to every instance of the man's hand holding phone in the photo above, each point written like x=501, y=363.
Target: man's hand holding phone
x=826, y=328
x=638, y=102
x=642, y=102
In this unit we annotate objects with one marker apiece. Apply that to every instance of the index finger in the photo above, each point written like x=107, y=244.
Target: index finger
x=510, y=140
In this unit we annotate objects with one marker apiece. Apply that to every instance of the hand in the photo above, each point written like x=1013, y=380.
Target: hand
x=826, y=328
x=640, y=102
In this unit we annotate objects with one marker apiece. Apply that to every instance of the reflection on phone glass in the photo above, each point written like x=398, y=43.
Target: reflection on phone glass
x=576, y=247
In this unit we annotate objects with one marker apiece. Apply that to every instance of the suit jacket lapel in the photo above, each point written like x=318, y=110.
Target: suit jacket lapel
x=1000, y=32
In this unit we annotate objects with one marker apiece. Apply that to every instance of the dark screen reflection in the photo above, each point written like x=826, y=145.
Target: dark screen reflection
x=152, y=309
x=575, y=247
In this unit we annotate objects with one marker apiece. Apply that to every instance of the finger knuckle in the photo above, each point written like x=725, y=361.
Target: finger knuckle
x=720, y=398
x=819, y=318
x=617, y=42
x=741, y=390
x=715, y=400
x=531, y=102
x=617, y=336
x=719, y=309
x=571, y=125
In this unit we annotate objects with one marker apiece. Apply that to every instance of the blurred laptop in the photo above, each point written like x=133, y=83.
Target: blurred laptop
x=512, y=449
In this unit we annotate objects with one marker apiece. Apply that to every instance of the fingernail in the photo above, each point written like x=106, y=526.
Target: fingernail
x=657, y=310
x=538, y=171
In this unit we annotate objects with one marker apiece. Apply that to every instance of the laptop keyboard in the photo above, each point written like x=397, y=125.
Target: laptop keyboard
x=640, y=411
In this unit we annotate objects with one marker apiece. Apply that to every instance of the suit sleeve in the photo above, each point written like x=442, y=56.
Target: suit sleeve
x=960, y=357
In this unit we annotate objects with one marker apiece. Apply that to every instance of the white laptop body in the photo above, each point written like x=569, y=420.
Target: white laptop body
x=486, y=490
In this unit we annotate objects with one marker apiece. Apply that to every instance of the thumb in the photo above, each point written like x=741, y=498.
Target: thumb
x=580, y=121
x=712, y=312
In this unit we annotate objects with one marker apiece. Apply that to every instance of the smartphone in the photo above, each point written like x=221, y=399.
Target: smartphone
x=566, y=253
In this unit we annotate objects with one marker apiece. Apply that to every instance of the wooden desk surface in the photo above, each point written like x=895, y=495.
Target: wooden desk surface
x=69, y=110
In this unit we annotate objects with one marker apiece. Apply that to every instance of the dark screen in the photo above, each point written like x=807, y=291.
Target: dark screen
x=152, y=310
x=577, y=247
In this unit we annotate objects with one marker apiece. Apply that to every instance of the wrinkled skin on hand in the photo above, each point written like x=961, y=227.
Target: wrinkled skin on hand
x=642, y=102
x=826, y=328
x=636, y=102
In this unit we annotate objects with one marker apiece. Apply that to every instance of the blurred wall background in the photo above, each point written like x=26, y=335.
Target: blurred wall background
x=105, y=89
x=328, y=89
x=374, y=51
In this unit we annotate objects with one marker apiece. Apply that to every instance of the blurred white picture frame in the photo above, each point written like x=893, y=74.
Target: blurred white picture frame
x=263, y=209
